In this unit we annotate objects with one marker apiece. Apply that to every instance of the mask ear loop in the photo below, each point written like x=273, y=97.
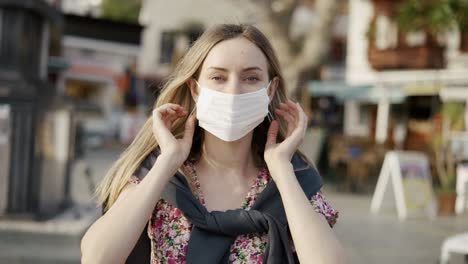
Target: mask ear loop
x=193, y=110
x=270, y=115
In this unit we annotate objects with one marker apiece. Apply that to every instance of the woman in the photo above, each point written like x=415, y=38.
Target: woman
x=232, y=188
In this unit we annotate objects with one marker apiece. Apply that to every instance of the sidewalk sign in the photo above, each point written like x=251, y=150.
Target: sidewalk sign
x=411, y=184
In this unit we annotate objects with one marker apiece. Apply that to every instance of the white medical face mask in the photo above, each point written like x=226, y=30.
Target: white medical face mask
x=231, y=116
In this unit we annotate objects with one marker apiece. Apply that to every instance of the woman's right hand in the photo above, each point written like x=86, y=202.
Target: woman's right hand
x=163, y=118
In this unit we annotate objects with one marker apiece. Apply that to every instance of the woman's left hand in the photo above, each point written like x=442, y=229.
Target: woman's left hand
x=296, y=120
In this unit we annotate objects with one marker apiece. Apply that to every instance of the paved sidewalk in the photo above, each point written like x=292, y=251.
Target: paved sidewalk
x=384, y=239
x=58, y=240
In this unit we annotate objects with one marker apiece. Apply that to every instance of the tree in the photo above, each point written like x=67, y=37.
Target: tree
x=122, y=10
x=297, y=56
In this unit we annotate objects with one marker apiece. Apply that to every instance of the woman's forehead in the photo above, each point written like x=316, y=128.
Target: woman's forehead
x=235, y=55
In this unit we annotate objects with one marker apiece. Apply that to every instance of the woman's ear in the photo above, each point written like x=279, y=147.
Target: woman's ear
x=192, y=84
x=273, y=86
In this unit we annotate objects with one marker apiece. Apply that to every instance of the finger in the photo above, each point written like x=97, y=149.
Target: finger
x=289, y=120
x=167, y=112
x=286, y=108
x=170, y=120
x=283, y=106
x=293, y=109
x=173, y=106
x=181, y=111
x=285, y=115
x=304, y=117
x=297, y=135
x=170, y=114
x=272, y=133
x=293, y=106
x=170, y=108
x=288, y=126
x=302, y=124
x=159, y=127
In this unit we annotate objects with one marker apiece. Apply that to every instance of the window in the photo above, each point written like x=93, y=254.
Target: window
x=167, y=47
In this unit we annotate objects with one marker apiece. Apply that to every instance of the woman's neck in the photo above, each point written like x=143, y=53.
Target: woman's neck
x=230, y=157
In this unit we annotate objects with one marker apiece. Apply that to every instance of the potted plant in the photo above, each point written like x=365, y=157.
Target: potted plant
x=445, y=158
x=460, y=10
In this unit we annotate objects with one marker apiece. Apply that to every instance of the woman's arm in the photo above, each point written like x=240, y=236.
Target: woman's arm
x=112, y=237
x=314, y=240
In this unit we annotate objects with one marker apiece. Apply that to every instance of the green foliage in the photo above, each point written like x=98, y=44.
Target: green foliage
x=454, y=113
x=448, y=185
x=460, y=10
x=121, y=10
x=432, y=16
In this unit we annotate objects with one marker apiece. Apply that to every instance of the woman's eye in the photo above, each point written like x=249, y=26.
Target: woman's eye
x=216, y=78
x=252, y=78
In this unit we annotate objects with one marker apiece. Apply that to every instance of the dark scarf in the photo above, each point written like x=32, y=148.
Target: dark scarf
x=214, y=232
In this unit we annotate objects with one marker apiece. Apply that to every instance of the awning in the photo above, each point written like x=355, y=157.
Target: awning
x=339, y=89
x=344, y=92
x=395, y=95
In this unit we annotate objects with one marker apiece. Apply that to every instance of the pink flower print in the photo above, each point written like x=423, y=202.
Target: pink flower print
x=177, y=213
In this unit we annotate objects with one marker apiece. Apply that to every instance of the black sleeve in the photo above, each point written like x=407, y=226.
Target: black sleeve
x=147, y=164
x=141, y=253
x=309, y=178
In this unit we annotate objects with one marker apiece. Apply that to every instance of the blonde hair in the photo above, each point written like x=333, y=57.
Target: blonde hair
x=177, y=91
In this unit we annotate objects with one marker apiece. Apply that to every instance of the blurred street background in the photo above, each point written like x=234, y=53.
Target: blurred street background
x=384, y=83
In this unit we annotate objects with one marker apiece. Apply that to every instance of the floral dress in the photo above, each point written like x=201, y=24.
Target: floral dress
x=169, y=231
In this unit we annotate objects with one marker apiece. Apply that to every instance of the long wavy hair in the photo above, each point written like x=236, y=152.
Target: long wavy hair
x=176, y=90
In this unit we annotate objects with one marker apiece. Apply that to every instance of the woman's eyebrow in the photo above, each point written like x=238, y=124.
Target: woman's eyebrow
x=244, y=70
x=255, y=68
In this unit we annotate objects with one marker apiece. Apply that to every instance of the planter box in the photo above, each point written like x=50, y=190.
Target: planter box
x=422, y=57
x=386, y=7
